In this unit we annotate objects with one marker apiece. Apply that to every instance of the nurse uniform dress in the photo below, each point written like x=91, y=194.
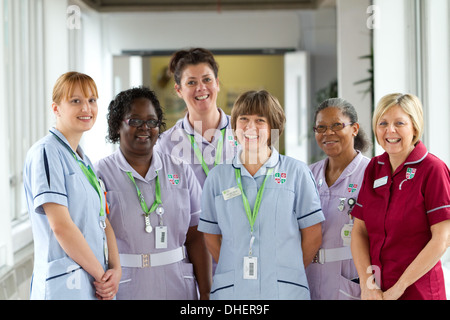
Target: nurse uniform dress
x=330, y=274
x=151, y=247
x=289, y=202
x=398, y=210
x=180, y=142
x=51, y=174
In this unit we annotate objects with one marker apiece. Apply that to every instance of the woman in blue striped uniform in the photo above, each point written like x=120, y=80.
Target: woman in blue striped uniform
x=261, y=214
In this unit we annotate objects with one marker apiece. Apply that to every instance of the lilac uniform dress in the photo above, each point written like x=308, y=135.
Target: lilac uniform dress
x=180, y=195
x=332, y=280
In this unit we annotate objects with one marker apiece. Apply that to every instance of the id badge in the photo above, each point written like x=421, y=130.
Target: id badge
x=346, y=234
x=161, y=237
x=250, y=268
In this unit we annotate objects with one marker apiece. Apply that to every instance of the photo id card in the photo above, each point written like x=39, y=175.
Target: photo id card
x=250, y=268
x=161, y=237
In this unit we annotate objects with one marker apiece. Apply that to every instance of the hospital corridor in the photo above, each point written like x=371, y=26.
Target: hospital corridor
x=128, y=129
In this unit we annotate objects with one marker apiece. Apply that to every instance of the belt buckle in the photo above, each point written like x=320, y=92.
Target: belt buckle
x=145, y=260
x=319, y=257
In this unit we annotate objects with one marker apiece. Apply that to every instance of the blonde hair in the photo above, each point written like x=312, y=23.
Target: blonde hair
x=66, y=83
x=259, y=103
x=409, y=103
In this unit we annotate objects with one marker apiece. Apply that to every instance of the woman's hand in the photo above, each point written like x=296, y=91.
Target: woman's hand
x=393, y=293
x=109, y=285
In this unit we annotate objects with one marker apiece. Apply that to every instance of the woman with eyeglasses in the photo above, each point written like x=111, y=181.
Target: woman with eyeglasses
x=75, y=248
x=154, y=204
x=332, y=275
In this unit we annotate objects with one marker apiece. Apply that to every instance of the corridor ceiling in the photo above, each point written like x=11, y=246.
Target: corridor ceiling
x=203, y=5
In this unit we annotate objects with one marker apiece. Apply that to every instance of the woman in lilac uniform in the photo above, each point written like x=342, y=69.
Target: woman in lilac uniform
x=333, y=275
x=154, y=203
x=205, y=127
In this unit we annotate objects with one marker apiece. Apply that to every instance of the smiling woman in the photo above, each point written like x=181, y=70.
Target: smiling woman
x=75, y=106
x=402, y=215
x=72, y=236
x=286, y=207
x=152, y=229
x=203, y=137
x=339, y=178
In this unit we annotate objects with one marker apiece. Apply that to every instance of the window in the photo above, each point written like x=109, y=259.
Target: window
x=23, y=56
x=23, y=118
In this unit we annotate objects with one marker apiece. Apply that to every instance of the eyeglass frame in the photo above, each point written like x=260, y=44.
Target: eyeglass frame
x=147, y=123
x=331, y=127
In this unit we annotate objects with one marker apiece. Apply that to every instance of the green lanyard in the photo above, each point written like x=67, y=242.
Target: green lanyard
x=251, y=216
x=141, y=197
x=198, y=152
x=89, y=173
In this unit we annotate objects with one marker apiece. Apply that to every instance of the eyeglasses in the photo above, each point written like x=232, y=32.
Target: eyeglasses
x=152, y=123
x=334, y=127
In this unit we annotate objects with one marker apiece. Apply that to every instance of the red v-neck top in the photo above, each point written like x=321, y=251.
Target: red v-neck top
x=398, y=210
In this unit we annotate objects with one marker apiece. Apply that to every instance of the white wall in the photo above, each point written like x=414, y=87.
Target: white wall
x=354, y=42
x=394, y=59
x=213, y=30
x=407, y=61
x=97, y=62
x=56, y=48
x=437, y=77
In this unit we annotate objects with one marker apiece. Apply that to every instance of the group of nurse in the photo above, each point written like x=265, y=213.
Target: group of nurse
x=161, y=219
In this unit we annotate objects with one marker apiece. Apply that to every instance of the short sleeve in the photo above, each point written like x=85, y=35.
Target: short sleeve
x=45, y=177
x=208, y=219
x=357, y=210
x=436, y=191
x=307, y=204
x=195, y=193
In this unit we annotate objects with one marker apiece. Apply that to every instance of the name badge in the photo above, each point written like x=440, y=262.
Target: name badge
x=231, y=193
x=380, y=182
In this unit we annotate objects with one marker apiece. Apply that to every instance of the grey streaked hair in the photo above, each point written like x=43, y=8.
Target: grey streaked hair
x=361, y=142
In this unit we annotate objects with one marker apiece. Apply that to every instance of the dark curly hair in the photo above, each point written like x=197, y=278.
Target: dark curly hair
x=121, y=105
x=183, y=58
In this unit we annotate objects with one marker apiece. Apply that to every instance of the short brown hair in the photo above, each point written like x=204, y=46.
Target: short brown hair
x=260, y=103
x=65, y=85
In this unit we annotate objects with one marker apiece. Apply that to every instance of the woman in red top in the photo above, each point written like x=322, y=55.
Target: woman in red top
x=402, y=216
